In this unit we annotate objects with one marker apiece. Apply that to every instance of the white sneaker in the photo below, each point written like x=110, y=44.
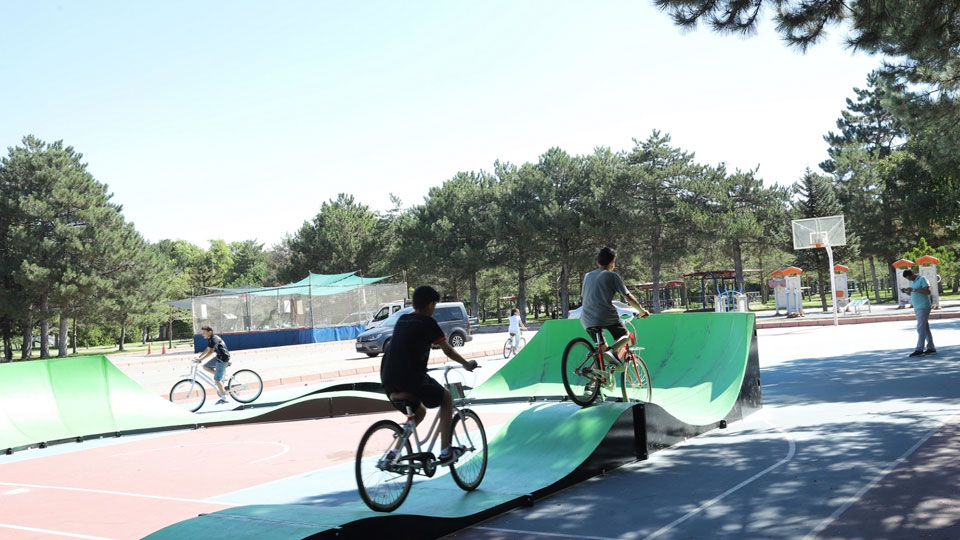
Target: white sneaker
x=612, y=360
x=221, y=401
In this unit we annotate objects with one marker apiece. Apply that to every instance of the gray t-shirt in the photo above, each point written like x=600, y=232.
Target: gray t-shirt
x=599, y=288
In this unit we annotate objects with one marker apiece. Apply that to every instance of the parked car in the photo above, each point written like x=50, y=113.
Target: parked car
x=452, y=317
x=622, y=309
x=384, y=312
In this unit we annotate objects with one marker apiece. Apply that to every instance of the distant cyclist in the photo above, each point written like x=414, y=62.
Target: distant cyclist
x=515, y=325
x=216, y=366
x=599, y=288
x=404, y=367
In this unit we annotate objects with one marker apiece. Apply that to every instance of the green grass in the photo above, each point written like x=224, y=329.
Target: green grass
x=155, y=346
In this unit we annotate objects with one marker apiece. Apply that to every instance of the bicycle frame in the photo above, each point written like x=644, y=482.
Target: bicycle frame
x=433, y=434
x=202, y=374
x=626, y=356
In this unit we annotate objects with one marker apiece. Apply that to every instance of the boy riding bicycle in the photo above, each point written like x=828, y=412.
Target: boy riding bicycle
x=404, y=367
x=599, y=288
x=216, y=366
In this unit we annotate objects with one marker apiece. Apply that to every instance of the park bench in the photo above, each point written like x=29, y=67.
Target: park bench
x=857, y=305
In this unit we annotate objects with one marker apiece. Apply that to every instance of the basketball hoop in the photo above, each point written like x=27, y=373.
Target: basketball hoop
x=822, y=232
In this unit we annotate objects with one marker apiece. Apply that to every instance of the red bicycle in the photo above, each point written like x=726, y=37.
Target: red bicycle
x=586, y=371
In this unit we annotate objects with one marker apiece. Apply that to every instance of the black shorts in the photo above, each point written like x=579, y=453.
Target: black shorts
x=427, y=390
x=616, y=330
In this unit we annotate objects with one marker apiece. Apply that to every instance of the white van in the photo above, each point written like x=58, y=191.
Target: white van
x=385, y=311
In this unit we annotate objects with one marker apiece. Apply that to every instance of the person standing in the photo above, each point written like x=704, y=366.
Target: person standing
x=919, y=290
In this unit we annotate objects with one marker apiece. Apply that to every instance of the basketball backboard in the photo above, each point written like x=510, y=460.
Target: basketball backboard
x=818, y=232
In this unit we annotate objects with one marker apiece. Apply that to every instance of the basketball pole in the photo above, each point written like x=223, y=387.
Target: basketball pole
x=833, y=286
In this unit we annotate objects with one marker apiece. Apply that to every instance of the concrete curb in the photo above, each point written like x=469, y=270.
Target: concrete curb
x=861, y=319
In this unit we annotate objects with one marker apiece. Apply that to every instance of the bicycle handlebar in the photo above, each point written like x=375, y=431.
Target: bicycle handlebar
x=448, y=368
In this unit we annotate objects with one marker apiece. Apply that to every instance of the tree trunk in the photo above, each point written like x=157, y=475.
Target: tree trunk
x=522, y=293
x=27, y=349
x=75, y=335
x=64, y=333
x=738, y=266
x=876, y=281
x=764, y=290
x=170, y=332
x=123, y=336
x=483, y=310
x=656, y=288
x=45, y=328
x=565, y=289
x=5, y=329
x=822, y=286
x=893, y=282
x=474, y=306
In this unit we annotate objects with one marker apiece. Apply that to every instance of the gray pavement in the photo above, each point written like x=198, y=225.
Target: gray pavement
x=848, y=445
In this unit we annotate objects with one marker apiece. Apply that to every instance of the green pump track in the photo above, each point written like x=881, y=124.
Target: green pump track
x=697, y=362
x=59, y=400
x=705, y=371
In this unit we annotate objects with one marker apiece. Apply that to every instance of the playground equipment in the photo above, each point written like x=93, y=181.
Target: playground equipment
x=821, y=232
x=671, y=293
x=726, y=296
x=793, y=295
x=903, y=299
x=928, y=269
x=779, y=285
x=840, y=285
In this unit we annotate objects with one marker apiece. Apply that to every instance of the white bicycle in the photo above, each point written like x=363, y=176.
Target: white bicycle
x=245, y=386
x=509, y=349
x=386, y=461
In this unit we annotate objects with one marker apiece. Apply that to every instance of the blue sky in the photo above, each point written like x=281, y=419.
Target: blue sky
x=236, y=120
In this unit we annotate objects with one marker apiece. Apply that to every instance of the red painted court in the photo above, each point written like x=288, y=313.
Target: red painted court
x=136, y=486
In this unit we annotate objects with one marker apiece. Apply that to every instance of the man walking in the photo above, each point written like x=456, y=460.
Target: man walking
x=919, y=290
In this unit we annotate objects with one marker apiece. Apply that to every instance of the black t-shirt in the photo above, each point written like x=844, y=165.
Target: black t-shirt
x=405, y=362
x=216, y=343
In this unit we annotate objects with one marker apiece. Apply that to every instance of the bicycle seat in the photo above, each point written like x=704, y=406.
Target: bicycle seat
x=596, y=332
x=402, y=404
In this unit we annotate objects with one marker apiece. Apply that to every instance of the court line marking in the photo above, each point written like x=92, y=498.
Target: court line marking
x=870, y=485
x=554, y=535
x=284, y=448
x=790, y=453
x=57, y=533
x=108, y=492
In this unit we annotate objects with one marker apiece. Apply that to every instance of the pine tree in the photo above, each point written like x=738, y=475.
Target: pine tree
x=518, y=217
x=63, y=230
x=648, y=202
x=869, y=135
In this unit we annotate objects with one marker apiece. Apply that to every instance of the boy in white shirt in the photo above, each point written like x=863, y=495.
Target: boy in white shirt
x=515, y=325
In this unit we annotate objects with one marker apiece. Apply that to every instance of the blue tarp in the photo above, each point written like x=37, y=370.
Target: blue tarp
x=279, y=338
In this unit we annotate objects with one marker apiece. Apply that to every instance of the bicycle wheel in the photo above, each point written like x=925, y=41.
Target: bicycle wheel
x=468, y=471
x=523, y=342
x=188, y=394
x=245, y=386
x=636, y=382
x=508, y=348
x=383, y=486
x=577, y=366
